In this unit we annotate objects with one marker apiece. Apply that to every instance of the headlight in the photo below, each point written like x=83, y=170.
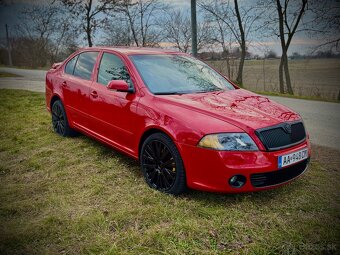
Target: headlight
x=228, y=142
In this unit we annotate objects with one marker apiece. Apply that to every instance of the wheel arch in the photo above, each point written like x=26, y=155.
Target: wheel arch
x=54, y=98
x=150, y=131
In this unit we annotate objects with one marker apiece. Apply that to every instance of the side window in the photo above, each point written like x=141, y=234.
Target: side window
x=112, y=68
x=85, y=64
x=69, y=68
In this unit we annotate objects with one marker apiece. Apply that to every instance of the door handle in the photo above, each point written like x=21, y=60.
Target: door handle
x=94, y=94
x=64, y=84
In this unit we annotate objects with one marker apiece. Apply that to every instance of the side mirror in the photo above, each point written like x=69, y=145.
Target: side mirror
x=119, y=85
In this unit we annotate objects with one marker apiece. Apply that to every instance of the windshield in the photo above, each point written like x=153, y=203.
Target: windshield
x=178, y=74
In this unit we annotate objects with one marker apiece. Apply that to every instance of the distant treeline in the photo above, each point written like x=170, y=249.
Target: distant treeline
x=271, y=55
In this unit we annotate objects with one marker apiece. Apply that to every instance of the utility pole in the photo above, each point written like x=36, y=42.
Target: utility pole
x=193, y=28
x=9, y=48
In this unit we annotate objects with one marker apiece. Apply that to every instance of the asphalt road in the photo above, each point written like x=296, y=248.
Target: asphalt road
x=33, y=80
x=322, y=119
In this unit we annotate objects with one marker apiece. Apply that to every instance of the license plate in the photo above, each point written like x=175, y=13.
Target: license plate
x=291, y=158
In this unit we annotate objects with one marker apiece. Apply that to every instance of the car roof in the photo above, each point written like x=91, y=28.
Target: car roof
x=134, y=50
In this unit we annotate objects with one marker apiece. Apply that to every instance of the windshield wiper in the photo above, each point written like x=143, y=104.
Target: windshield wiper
x=186, y=92
x=207, y=91
x=168, y=93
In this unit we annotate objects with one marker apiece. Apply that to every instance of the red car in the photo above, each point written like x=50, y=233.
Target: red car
x=188, y=125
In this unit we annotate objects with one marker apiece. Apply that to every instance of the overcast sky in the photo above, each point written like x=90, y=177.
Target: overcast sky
x=301, y=43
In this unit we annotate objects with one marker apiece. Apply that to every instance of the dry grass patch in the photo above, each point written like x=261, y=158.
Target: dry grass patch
x=316, y=78
x=6, y=74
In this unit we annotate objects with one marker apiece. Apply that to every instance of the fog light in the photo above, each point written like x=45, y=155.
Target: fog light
x=237, y=181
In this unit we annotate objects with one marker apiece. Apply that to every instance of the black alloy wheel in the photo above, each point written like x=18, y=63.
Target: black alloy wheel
x=59, y=120
x=162, y=164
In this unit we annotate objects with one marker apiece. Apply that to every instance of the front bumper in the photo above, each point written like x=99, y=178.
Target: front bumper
x=210, y=170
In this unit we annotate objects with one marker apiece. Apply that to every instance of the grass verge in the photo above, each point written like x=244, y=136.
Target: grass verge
x=6, y=74
x=28, y=67
x=266, y=93
x=76, y=196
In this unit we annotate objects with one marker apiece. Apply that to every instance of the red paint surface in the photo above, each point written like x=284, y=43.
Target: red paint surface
x=120, y=119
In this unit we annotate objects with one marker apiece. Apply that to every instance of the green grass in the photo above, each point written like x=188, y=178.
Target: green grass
x=76, y=196
x=6, y=74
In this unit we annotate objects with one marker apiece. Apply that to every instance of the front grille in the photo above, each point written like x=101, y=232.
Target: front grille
x=278, y=176
x=282, y=136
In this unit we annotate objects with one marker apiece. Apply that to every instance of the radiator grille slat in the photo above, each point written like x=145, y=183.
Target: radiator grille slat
x=277, y=137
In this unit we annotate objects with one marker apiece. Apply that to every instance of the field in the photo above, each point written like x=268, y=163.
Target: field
x=310, y=77
x=76, y=196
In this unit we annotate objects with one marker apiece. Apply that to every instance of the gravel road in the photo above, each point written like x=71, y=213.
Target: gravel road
x=322, y=119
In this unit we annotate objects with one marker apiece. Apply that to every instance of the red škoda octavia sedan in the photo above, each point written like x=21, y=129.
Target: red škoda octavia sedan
x=187, y=124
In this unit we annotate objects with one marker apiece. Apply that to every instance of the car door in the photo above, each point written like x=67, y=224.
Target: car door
x=76, y=81
x=113, y=113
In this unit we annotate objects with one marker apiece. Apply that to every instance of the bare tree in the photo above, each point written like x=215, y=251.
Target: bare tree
x=141, y=15
x=284, y=19
x=46, y=30
x=177, y=31
x=222, y=38
x=204, y=34
x=87, y=12
x=239, y=21
x=242, y=42
x=326, y=23
x=288, y=25
x=117, y=32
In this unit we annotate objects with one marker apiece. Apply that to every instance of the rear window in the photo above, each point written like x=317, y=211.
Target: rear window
x=85, y=64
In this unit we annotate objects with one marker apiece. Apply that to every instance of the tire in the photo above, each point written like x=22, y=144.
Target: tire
x=59, y=120
x=162, y=164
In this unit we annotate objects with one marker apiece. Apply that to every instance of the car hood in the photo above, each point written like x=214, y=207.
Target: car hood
x=239, y=107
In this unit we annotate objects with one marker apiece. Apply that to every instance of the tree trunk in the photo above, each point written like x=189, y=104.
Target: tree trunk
x=141, y=24
x=283, y=46
x=88, y=23
x=282, y=86
x=282, y=14
x=287, y=75
x=89, y=39
x=228, y=67
x=243, y=44
x=239, y=78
